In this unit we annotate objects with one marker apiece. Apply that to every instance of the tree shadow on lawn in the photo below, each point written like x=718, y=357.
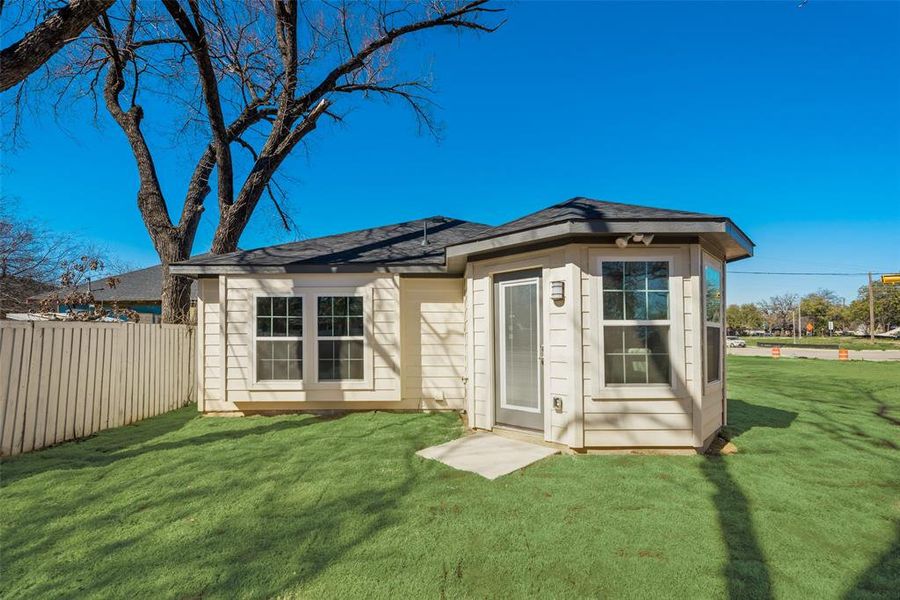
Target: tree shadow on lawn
x=746, y=571
x=113, y=445
x=292, y=516
x=882, y=579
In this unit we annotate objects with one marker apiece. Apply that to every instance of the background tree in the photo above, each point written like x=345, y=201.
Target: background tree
x=778, y=310
x=34, y=260
x=744, y=317
x=887, y=307
x=820, y=307
x=250, y=75
x=66, y=21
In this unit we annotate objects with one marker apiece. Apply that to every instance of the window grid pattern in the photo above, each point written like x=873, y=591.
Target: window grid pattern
x=279, y=338
x=340, y=326
x=635, y=320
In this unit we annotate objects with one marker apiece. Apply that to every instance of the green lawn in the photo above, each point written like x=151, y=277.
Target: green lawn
x=298, y=506
x=850, y=343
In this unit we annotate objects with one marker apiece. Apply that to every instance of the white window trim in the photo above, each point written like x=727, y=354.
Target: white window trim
x=674, y=256
x=368, y=380
x=604, y=322
x=319, y=338
x=502, y=349
x=276, y=384
x=710, y=261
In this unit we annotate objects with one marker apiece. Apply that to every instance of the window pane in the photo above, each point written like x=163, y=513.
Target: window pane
x=340, y=326
x=264, y=350
x=326, y=369
x=713, y=353
x=324, y=306
x=340, y=306
x=658, y=368
x=295, y=326
x=295, y=307
x=613, y=306
x=326, y=349
x=279, y=306
x=354, y=349
x=657, y=339
x=635, y=369
x=635, y=276
x=264, y=326
x=295, y=369
x=657, y=305
x=713, y=294
x=635, y=340
x=613, y=339
x=279, y=369
x=615, y=368
x=279, y=350
x=657, y=276
x=612, y=275
x=279, y=326
x=263, y=369
x=326, y=328
x=355, y=369
x=636, y=305
x=356, y=306
x=356, y=326
x=263, y=306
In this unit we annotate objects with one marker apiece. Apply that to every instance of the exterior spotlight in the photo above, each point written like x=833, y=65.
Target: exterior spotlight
x=648, y=237
x=622, y=242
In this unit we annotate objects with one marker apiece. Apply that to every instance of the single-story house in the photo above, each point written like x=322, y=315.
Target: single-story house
x=589, y=323
x=140, y=291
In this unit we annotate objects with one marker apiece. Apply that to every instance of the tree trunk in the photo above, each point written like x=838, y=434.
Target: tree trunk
x=176, y=289
x=26, y=56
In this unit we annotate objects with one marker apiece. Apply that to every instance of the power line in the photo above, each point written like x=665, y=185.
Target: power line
x=818, y=274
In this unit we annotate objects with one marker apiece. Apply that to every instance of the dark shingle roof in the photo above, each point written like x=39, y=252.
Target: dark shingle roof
x=399, y=244
x=586, y=209
x=143, y=285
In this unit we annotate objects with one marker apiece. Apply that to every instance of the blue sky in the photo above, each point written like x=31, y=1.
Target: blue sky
x=785, y=119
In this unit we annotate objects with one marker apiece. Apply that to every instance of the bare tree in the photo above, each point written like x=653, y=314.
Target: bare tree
x=29, y=260
x=778, y=310
x=27, y=55
x=254, y=75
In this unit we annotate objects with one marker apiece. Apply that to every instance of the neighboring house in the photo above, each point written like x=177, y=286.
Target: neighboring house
x=592, y=324
x=138, y=290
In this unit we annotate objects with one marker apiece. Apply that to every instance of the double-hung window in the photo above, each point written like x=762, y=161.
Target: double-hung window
x=712, y=309
x=636, y=322
x=279, y=338
x=341, y=342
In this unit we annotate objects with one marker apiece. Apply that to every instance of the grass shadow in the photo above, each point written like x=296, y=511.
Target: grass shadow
x=882, y=579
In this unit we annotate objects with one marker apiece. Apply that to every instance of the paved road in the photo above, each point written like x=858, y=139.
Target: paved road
x=818, y=353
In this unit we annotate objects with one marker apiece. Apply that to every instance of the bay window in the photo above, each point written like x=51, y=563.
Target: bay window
x=279, y=338
x=635, y=321
x=712, y=309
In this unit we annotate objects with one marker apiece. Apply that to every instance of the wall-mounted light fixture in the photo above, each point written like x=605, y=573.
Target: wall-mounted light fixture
x=557, y=291
x=645, y=238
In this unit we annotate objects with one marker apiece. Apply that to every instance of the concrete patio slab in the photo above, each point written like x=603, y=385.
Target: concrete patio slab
x=488, y=455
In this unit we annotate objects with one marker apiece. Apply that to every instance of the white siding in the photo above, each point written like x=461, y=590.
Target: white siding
x=433, y=342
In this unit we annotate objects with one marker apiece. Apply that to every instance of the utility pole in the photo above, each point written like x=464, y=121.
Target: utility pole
x=871, y=310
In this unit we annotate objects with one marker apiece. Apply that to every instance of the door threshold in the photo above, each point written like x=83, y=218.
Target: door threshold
x=522, y=430
x=533, y=436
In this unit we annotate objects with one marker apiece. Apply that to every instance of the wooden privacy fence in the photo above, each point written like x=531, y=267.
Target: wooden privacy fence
x=64, y=381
